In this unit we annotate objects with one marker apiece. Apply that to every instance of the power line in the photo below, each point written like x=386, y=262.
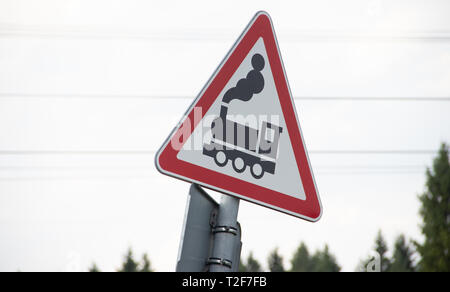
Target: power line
x=146, y=168
x=368, y=98
x=372, y=151
x=8, y=30
x=117, y=172
x=371, y=173
x=150, y=152
x=371, y=167
x=76, y=152
x=151, y=166
x=151, y=177
x=59, y=178
x=187, y=97
x=114, y=171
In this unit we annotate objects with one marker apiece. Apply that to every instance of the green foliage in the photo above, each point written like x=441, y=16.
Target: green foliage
x=242, y=267
x=382, y=249
x=145, y=265
x=275, y=262
x=321, y=261
x=435, y=212
x=252, y=265
x=434, y=251
x=131, y=266
x=301, y=260
x=94, y=269
x=324, y=261
x=402, y=259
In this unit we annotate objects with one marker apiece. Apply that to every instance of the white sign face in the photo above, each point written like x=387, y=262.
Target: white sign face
x=262, y=107
x=241, y=135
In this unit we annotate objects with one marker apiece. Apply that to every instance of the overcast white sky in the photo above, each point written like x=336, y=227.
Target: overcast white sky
x=61, y=61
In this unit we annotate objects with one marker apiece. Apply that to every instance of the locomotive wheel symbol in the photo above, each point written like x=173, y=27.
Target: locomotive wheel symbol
x=239, y=165
x=257, y=171
x=221, y=158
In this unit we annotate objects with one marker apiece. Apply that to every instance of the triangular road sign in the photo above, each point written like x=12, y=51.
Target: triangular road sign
x=241, y=135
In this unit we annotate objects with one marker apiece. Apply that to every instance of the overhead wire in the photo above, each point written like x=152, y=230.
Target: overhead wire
x=6, y=95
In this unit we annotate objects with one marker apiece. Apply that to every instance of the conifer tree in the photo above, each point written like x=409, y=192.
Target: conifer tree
x=435, y=212
x=275, y=262
x=402, y=260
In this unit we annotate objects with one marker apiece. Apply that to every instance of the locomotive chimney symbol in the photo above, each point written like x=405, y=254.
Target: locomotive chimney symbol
x=243, y=145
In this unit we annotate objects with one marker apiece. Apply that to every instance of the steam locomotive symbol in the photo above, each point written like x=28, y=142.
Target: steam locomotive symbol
x=243, y=145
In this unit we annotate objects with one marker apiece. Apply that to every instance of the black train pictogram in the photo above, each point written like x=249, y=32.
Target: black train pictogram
x=244, y=145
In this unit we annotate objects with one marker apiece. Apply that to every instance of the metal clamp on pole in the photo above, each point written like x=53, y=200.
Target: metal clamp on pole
x=225, y=229
x=226, y=237
x=220, y=262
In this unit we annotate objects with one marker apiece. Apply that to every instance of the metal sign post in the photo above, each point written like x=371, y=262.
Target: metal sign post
x=225, y=235
x=197, y=238
x=211, y=239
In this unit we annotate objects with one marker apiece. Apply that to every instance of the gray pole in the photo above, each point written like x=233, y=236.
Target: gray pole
x=226, y=231
x=197, y=239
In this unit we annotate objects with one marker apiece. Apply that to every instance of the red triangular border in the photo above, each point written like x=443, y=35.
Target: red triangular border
x=166, y=159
